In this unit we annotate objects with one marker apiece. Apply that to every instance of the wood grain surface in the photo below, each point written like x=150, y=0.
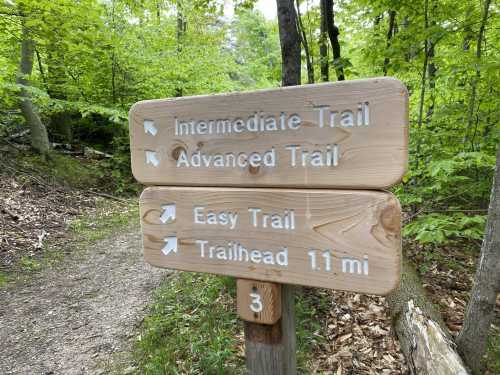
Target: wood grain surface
x=369, y=137
x=253, y=295
x=346, y=240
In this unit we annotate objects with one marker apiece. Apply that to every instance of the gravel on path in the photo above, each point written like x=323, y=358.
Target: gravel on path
x=79, y=316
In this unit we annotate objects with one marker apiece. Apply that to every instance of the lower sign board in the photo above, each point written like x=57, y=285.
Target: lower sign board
x=346, y=240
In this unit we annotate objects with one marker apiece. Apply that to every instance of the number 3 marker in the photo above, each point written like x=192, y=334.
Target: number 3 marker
x=256, y=305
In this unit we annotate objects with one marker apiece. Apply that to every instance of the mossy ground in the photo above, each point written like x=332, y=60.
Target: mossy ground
x=77, y=173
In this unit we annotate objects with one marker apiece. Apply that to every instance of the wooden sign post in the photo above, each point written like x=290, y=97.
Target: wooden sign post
x=339, y=239
x=243, y=174
x=343, y=135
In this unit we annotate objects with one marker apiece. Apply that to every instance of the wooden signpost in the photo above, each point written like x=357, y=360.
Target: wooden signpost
x=338, y=239
x=245, y=175
x=343, y=135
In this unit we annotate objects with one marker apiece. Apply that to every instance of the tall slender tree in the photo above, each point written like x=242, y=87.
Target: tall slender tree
x=323, y=43
x=290, y=43
x=305, y=44
x=475, y=80
x=39, y=136
x=333, y=34
x=390, y=34
x=181, y=31
x=423, y=85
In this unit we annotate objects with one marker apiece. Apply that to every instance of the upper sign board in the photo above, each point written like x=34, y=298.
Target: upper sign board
x=344, y=135
x=347, y=240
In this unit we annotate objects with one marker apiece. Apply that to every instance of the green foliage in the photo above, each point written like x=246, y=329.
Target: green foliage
x=190, y=328
x=60, y=170
x=452, y=139
x=454, y=183
x=309, y=307
x=116, y=170
x=257, y=50
x=29, y=264
x=493, y=352
x=4, y=278
x=441, y=229
x=95, y=59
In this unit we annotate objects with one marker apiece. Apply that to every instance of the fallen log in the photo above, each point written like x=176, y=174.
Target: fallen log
x=95, y=154
x=424, y=338
x=19, y=134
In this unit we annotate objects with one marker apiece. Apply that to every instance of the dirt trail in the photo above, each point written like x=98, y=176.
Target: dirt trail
x=78, y=317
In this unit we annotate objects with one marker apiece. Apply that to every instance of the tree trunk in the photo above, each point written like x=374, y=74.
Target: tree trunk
x=290, y=75
x=310, y=67
x=39, y=137
x=475, y=80
x=181, y=31
x=158, y=12
x=333, y=34
x=290, y=43
x=113, y=56
x=390, y=34
x=323, y=46
x=423, y=336
x=481, y=308
x=431, y=67
x=423, y=86
x=40, y=68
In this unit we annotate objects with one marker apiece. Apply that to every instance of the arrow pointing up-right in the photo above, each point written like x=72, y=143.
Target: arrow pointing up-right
x=168, y=213
x=170, y=245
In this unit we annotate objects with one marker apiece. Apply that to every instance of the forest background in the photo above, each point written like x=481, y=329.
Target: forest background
x=80, y=65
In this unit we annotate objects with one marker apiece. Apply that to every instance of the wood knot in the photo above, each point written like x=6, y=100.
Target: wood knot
x=253, y=170
x=390, y=217
x=177, y=152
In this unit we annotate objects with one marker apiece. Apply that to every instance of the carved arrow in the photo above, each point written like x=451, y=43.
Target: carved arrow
x=168, y=213
x=170, y=245
x=149, y=127
x=151, y=158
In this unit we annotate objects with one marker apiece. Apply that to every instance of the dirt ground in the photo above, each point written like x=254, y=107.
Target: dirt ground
x=79, y=317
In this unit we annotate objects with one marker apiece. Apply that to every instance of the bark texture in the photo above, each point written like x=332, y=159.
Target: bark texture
x=305, y=44
x=180, y=33
x=481, y=308
x=422, y=86
x=290, y=75
x=333, y=34
x=432, y=67
x=290, y=43
x=39, y=137
x=424, y=340
x=390, y=34
x=323, y=46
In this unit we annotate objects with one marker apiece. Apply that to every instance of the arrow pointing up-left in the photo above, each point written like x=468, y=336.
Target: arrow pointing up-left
x=152, y=159
x=149, y=127
x=170, y=245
